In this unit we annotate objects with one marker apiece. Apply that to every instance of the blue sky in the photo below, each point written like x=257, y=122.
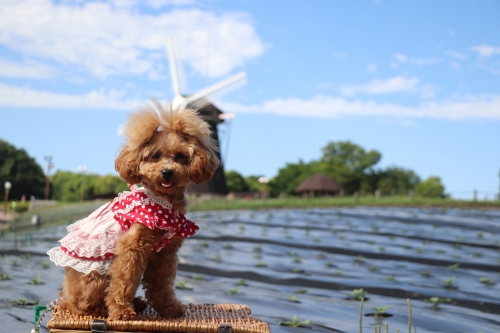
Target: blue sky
x=418, y=81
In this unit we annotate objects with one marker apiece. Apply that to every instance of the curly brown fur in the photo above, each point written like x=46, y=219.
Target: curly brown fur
x=158, y=139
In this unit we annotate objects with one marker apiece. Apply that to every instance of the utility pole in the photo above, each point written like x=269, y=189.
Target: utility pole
x=47, y=180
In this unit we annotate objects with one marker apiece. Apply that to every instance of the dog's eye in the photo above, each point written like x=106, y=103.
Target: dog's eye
x=179, y=156
x=156, y=155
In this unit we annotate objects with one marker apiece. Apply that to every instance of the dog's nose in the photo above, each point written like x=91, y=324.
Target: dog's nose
x=167, y=174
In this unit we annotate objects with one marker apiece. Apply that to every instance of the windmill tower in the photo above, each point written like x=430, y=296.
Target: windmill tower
x=208, y=112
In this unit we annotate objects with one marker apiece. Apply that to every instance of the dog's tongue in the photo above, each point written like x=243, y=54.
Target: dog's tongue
x=166, y=184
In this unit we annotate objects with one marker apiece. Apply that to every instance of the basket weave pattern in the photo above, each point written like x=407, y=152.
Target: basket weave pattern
x=200, y=318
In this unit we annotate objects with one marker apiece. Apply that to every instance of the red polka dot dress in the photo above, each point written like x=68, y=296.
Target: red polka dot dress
x=91, y=241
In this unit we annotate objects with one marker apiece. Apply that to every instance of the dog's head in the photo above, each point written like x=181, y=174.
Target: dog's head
x=166, y=149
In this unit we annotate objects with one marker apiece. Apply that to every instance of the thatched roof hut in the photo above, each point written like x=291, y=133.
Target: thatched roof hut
x=319, y=185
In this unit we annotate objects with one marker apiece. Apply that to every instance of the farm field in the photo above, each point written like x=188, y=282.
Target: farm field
x=311, y=263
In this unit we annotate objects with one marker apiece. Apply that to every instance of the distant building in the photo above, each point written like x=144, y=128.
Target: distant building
x=319, y=185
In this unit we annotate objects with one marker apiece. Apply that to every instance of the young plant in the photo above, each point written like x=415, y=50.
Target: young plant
x=234, y=291
x=4, y=277
x=381, y=310
x=330, y=264
x=228, y=246
x=36, y=281
x=295, y=322
x=293, y=299
x=198, y=277
x=436, y=301
x=358, y=294
x=321, y=255
x=487, y=281
x=181, y=284
x=453, y=267
x=24, y=302
x=242, y=282
x=426, y=273
x=45, y=264
x=261, y=264
x=389, y=278
x=449, y=283
x=257, y=248
x=359, y=258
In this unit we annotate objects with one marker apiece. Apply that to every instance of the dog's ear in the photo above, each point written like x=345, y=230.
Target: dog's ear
x=203, y=165
x=127, y=165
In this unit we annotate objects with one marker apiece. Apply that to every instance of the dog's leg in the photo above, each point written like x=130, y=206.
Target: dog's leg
x=83, y=294
x=159, y=278
x=71, y=290
x=132, y=253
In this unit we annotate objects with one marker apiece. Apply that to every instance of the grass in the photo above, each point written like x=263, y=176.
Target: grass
x=346, y=201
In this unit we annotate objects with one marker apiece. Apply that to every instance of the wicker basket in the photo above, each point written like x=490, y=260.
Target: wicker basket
x=206, y=318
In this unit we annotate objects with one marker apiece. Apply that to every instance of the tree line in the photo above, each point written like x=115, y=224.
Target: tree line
x=353, y=167
x=28, y=179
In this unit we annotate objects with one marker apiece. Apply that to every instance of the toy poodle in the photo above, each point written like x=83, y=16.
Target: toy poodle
x=138, y=234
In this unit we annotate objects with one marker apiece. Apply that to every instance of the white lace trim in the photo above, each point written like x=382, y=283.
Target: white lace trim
x=85, y=266
x=159, y=200
x=150, y=199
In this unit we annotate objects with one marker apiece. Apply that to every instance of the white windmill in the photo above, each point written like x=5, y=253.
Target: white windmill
x=208, y=112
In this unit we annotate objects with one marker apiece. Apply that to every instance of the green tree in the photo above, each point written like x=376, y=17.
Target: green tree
x=22, y=171
x=430, y=188
x=394, y=180
x=290, y=177
x=254, y=185
x=68, y=186
x=236, y=182
x=347, y=163
x=108, y=185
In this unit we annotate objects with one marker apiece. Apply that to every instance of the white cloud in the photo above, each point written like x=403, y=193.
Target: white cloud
x=419, y=62
x=372, y=68
x=470, y=107
x=29, y=69
x=104, y=38
x=486, y=50
x=457, y=55
x=466, y=107
x=395, y=84
x=98, y=99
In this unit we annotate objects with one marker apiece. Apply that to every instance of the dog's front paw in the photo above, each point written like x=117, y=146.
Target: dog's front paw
x=127, y=313
x=173, y=310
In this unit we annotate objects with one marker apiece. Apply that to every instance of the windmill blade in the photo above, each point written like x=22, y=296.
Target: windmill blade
x=173, y=67
x=224, y=86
